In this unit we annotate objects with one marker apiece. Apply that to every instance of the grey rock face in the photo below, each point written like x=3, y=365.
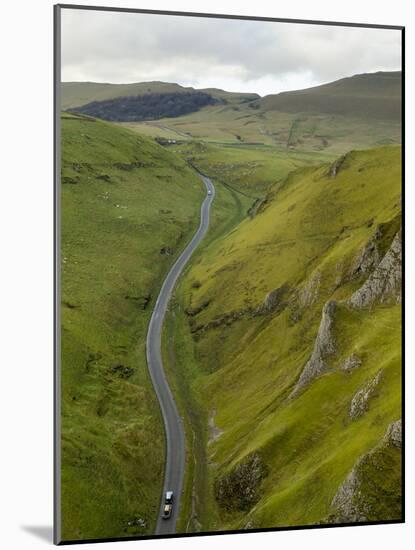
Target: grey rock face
x=352, y=362
x=344, y=501
x=309, y=293
x=385, y=282
x=369, y=258
x=393, y=434
x=273, y=301
x=335, y=167
x=351, y=503
x=324, y=346
x=238, y=490
x=360, y=401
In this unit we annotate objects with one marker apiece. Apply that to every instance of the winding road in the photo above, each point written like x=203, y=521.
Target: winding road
x=173, y=423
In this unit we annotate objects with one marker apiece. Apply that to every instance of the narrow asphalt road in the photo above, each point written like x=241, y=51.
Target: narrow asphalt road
x=173, y=423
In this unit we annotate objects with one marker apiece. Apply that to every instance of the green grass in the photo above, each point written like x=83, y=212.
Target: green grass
x=251, y=170
x=155, y=130
x=305, y=217
x=312, y=444
x=310, y=226
x=303, y=132
x=125, y=199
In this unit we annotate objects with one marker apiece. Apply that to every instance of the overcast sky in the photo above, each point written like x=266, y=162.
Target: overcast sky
x=244, y=56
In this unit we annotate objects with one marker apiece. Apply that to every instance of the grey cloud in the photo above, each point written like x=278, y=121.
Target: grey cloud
x=242, y=55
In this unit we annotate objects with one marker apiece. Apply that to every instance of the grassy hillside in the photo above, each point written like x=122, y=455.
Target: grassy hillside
x=75, y=94
x=128, y=206
x=294, y=386
x=251, y=170
x=357, y=112
x=373, y=96
x=361, y=111
x=306, y=132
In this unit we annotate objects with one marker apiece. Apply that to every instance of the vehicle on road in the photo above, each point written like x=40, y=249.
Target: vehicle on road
x=167, y=509
x=209, y=192
x=168, y=505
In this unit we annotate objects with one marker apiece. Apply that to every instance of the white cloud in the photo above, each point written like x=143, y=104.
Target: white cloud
x=263, y=57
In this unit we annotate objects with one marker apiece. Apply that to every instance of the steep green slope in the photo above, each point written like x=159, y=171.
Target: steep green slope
x=128, y=206
x=289, y=334
x=375, y=95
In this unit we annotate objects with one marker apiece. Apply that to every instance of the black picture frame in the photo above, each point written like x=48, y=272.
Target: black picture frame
x=57, y=9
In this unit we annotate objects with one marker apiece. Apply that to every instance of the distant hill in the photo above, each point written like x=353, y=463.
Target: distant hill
x=374, y=95
x=76, y=94
x=230, y=97
x=359, y=111
x=151, y=106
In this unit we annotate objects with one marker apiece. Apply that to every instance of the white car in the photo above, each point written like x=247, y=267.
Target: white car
x=209, y=192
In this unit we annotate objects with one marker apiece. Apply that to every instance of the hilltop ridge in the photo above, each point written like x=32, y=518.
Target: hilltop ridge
x=373, y=95
x=77, y=94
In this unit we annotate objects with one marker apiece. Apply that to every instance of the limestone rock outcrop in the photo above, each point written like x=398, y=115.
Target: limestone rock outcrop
x=360, y=402
x=384, y=284
x=324, y=346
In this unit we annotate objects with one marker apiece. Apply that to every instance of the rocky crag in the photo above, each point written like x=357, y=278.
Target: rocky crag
x=359, y=496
